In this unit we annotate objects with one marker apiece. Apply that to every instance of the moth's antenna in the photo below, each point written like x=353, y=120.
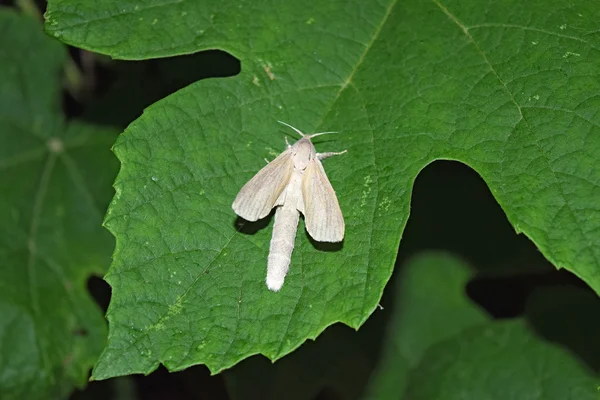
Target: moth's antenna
x=312, y=135
x=297, y=130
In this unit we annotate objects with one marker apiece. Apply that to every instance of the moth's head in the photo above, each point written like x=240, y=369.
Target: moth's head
x=303, y=152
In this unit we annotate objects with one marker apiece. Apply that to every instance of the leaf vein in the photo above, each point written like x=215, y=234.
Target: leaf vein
x=38, y=203
x=79, y=183
x=146, y=331
x=527, y=28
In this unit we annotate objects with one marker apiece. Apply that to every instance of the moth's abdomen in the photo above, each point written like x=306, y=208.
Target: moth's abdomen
x=282, y=245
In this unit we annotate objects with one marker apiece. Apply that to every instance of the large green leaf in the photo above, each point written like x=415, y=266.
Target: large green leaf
x=441, y=346
x=509, y=88
x=55, y=185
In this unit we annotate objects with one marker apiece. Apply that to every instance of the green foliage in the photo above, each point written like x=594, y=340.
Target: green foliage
x=431, y=307
x=55, y=184
x=509, y=88
x=441, y=346
x=499, y=362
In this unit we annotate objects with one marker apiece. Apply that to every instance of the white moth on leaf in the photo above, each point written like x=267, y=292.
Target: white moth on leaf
x=294, y=182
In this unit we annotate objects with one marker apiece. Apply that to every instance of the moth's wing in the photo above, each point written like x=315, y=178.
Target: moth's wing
x=259, y=195
x=322, y=213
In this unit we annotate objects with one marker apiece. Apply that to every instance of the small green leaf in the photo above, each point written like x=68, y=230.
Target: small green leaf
x=509, y=88
x=55, y=187
x=441, y=346
x=498, y=361
x=430, y=307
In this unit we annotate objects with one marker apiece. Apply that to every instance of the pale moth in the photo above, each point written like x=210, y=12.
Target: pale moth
x=294, y=182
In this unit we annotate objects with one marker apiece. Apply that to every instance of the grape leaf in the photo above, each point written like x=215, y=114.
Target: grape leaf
x=508, y=88
x=457, y=352
x=55, y=186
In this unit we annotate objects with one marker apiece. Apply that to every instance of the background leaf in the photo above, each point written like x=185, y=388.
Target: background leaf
x=562, y=314
x=55, y=186
x=500, y=361
x=430, y=307
x=508, y=88
x=441, y=345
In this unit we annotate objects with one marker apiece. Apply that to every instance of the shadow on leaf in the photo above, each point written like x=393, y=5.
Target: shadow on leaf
x=324, y=246
x=251, y=227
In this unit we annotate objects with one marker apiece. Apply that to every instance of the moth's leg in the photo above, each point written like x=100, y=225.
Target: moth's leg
x=322, y=156
x=287, y=143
